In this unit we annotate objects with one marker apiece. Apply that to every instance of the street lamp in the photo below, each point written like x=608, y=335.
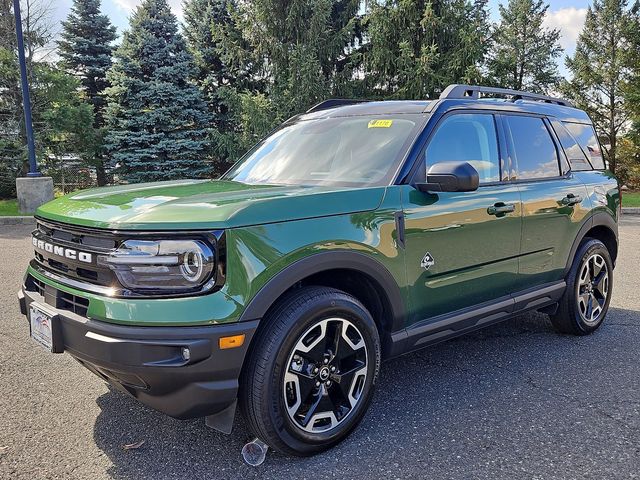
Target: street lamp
x=26, y=101
x=34, y=189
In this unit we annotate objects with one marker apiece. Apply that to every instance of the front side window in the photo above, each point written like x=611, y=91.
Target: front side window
x=586, y=137
x=344, y=151
x=467, y=138
x=534, y=150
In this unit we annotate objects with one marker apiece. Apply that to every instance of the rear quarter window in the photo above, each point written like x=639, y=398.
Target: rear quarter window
x=586, y=137
x=576, y=156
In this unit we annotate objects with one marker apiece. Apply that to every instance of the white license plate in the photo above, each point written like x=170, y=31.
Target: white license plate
x=41, y=327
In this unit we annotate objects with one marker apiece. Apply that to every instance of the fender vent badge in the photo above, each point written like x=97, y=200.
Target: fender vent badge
x=427, y=261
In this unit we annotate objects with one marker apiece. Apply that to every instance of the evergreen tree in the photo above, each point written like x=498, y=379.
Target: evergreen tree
x=300, y=46
x=415, y=47
x=85, y=49
x=524, y=53
x=600, y=69
x=224, y=68
x=158, y=121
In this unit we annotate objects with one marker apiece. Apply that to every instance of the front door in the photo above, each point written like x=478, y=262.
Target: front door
x=462, y=248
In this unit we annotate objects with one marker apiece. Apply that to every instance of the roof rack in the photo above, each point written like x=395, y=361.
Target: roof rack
x=474, y=91
x=334, y=102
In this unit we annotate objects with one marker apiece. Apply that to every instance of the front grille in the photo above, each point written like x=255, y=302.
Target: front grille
x=72, y=252
x=57, y=298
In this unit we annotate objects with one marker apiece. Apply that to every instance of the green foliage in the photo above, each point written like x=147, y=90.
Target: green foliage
x=12, y=146
x=85, y=49
x=524, y=53
x=300, y=47
x=224, y=68
x=416, y=47
x=628, y=158
x=628, y=168
x=62, y=120
x=158, y=120
x=600, y=69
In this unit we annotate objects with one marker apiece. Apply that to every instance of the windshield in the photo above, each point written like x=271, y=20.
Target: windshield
x=345, y=151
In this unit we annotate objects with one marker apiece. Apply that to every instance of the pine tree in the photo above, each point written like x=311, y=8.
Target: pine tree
x=416, y=47
x=600, y=69
x=524, y=53
x=85, y=49
x=262, y=61
x=301, y=46
x=158, y=121
x=224, y=68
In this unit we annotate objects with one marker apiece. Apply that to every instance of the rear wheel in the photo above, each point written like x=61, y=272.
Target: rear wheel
x=585, y=302
x=312, y=371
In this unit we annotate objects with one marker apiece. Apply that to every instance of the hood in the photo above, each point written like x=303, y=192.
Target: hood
x=204, y=204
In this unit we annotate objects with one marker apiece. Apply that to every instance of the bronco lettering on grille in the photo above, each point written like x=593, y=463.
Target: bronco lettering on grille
x=63, y=252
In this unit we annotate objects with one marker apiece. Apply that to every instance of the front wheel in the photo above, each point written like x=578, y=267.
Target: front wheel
x=312, y=371
x=584, y=305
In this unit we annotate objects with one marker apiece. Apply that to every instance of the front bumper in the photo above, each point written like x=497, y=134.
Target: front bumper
x=148, y=362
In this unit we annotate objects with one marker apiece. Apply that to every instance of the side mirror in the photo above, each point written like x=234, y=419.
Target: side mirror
x=450, y=177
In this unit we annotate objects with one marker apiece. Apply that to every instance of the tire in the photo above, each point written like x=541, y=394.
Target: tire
x=279, y=384
x=585, y=302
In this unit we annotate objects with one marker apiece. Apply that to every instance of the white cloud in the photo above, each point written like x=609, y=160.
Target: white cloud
x=570, y=22
x=130, y=5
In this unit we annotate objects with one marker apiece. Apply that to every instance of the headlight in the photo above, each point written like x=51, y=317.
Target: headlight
x=162, y=266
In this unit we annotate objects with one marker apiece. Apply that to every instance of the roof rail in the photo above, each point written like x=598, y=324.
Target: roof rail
x=334, y=102
x=474, y=91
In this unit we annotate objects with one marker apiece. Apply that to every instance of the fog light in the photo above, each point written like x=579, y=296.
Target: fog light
x=186, y=354
x=231, y=342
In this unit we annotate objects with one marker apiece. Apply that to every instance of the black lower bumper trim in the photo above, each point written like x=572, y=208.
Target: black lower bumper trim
x=150, y=364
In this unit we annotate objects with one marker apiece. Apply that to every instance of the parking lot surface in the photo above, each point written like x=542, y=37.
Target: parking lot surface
x=513, y=401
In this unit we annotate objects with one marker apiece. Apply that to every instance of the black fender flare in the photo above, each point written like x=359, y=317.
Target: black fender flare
x=320, y=262
x=598, y=219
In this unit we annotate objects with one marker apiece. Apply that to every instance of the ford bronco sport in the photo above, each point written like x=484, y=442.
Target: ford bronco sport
x=358, y=231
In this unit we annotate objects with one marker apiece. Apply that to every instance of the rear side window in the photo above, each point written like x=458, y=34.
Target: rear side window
x=467, y=137
x=588, y=141
x=534, y=151
x=577, y=158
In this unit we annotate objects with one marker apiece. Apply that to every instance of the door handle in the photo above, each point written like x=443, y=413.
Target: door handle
x=501, y=208
x=571, y=199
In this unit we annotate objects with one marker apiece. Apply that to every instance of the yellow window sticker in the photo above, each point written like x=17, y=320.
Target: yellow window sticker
x=380, y=123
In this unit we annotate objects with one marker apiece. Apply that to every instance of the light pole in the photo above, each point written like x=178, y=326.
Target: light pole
x=34, y=189
x=26, y=101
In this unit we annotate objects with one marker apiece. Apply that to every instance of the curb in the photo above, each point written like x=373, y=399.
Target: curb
x=17, y=220
x=631, y=211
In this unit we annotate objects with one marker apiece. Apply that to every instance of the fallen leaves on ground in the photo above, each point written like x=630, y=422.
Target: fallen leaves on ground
x=133, y=446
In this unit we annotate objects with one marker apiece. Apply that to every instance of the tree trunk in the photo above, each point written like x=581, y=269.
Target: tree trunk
x=101, y=174
x=612, y=152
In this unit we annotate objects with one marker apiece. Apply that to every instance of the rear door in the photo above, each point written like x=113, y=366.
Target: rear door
x=462, y=247
x=554, y=200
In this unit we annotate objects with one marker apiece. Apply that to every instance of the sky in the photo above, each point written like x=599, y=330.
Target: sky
x=566, y=15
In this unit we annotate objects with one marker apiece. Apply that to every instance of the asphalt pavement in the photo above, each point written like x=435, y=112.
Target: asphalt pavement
x=513, y=401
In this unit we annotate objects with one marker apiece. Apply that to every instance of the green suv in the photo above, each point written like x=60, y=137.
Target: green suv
x=356, y=232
